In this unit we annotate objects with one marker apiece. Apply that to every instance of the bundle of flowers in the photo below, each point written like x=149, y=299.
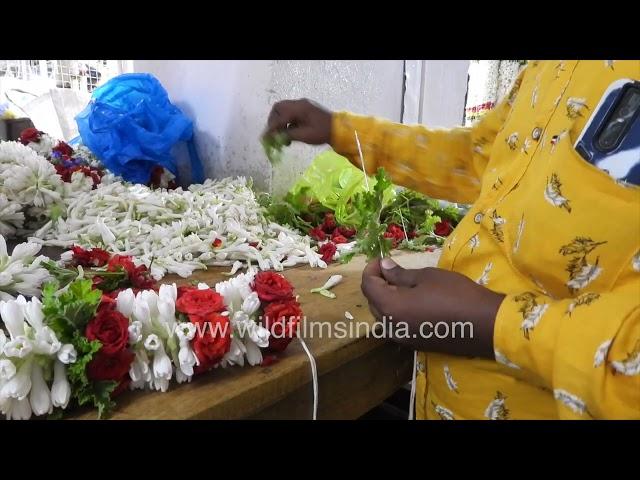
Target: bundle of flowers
x=22, y=272
x=217, y=223
x=68, y=160
x=35, y=188
x=65, y=159
x=87, y=342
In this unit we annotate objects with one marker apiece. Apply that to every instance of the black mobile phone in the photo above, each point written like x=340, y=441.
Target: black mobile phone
x=611, y=138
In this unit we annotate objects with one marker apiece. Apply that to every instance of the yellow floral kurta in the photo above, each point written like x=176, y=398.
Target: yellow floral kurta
x=557, y=235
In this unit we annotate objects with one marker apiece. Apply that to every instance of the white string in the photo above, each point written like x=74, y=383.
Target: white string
x=364, y=171
x=404, y=229
x=412, y=397
x=314, y=377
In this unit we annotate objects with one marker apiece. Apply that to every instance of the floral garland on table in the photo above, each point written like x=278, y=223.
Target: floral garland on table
x=87, y=342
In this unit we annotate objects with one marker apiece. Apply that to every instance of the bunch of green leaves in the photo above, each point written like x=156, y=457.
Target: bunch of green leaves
x=65, y=275
x=297, y=210
x=273, y=145
x=419, y=213
x=67, y=312
x=370, y=205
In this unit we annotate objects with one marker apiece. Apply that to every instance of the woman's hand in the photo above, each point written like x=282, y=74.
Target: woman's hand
x=421, y=299
x=302, y=121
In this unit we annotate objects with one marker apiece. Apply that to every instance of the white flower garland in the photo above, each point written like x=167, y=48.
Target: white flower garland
x=31, y=351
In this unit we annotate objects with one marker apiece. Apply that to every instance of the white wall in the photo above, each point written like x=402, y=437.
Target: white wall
x=229, y=101
x=435, y=92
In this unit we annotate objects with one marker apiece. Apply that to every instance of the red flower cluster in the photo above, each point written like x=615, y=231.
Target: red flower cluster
x=113, y=360
x=327, y=250
x=94, y=257
x=30, y=135
x=213, y=333
x=139, y=276
x=395, y=233
x=443, y=228
x=63, y=149
x=282, y=313
x=329, y=230
x=66, y=173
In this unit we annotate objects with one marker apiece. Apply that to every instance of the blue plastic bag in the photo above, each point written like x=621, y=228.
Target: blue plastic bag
x=131, y=126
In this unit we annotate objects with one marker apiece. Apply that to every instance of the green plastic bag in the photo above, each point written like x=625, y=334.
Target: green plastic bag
x=333, y=181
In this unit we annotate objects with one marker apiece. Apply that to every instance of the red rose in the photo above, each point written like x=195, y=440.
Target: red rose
x=138, y=276
x=394, y=241
x=346, y=232
x=123, y=262
x=327, y=251
x=443, y=229
x=111, y=328
x=338, y=238
x=30, y=135
x=103, y=367
x=254, y=245
x=107, y=302
x=412, y=234
x=329, y=222
x=63, y=149
x=93, y=257
x=212, y=339
x=182, y=289
x=282, y=319
x=317, y=234
x=271, y=287
x=217, y=242
x=200, y=302
x=395, y=233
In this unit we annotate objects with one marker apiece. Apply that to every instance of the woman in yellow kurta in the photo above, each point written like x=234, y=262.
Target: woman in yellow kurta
x=547, y=262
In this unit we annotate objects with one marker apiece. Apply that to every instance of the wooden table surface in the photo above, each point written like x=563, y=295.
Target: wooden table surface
x=355, y=374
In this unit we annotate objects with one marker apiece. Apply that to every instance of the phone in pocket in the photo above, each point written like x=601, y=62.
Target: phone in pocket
x=611, y=138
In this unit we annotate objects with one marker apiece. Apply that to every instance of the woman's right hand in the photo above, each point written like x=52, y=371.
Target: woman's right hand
x=301, y=120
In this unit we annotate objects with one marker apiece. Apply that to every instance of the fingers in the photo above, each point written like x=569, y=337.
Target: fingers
x=384, y=299
x=303, y=120
x=282, y=115
x=396, y=275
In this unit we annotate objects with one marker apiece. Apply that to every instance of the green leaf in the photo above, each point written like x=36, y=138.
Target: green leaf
x=273, y=144
x=69, y=312
x=371, y=231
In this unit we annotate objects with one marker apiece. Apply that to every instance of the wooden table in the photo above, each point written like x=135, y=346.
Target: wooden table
x=355, y=374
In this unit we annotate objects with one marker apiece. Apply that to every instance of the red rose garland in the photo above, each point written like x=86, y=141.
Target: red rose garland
x=282, y=313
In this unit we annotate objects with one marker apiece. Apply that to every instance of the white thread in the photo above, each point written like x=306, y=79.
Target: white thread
x=412, y=397
x=404, y=229
x=314, y=377
x=364, y=171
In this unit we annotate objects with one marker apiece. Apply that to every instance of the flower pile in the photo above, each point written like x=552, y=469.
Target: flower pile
x=85, y=344
x=217, y=223
x=332, y=239
x=374, y=220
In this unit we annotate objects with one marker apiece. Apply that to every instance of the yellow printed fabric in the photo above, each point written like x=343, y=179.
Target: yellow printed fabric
x=555, y=234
